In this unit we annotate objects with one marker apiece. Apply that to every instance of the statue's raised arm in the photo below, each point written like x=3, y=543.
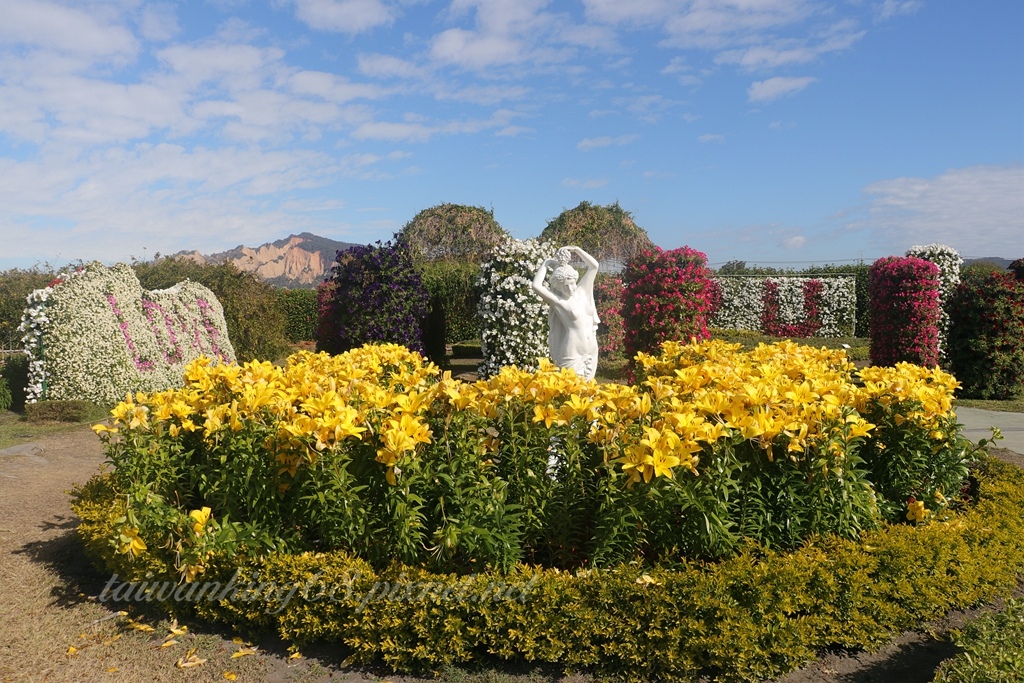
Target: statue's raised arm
x=572, y=340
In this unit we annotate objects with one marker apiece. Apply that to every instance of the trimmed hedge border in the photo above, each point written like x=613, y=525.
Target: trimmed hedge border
x=757, y=615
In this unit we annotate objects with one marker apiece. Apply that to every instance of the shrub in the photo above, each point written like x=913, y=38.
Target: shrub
x=376, y=295
x=513, y=319
x=15, y=286
x=95, y=334
x=5, y=395
x=905, y=311
x=754, y=616
x=1017, y=268
x=255, y=323
x=986, y=340
x=15, y=374
x=608, y=233
x=63, y=411
x=451, y=233
x=948, y=261
x=453, y=285
x=300, y=311
x=667, y=296
x=991, y=648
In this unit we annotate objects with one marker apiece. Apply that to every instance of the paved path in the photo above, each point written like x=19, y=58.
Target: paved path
x=976, y=424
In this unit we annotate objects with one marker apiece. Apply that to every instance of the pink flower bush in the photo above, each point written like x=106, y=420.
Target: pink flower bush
x=905, y=311
x=668, y=296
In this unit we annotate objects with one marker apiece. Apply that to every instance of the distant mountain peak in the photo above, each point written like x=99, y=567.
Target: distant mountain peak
x=296, y=262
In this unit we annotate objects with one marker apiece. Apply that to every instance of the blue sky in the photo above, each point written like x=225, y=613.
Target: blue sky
x=770, y=131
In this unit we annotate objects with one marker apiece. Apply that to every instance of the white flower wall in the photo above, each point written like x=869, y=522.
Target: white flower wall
x=514, y=320
x=95, y=334
x=743, y=304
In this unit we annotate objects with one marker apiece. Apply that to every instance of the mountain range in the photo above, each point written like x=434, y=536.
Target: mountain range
x=296, y=262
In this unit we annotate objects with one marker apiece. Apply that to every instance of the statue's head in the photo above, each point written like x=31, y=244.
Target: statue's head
x=563, y=280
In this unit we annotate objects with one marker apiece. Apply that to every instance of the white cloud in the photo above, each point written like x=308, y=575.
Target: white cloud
x=785, y=52
x=794, y=241
x=378, y=65
x=711, y=137
x=65, y=29
x=894, y=8
x=978, y=210
x=159, y=22
x=776, y=87
x=587, y=144
x=344, y=16
x=591, y=184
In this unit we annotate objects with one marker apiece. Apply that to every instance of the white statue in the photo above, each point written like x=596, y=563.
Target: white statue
x=572, y=318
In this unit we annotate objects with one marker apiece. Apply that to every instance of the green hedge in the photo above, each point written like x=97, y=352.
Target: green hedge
x=300, y=310
x=757, y=615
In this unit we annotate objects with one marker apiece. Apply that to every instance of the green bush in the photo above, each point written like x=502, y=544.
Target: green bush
x=5, y=395
x=453, y=286
x=607, y=233
x=451, y=233
x=300, y=310
x=63, y=411
x=992, y=649
x=751, y=617
x=256, y=324
x=986, y=337
x=15, y=286
x=15, y=374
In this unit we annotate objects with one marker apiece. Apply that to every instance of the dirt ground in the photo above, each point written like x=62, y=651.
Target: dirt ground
x=53, y=629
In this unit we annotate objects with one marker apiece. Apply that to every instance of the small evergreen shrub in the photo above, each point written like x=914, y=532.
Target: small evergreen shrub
x=986, y=340
x=991, y=649
x=15, y=286
x=905, y=311
x=453, y=285
x=5, y=395
x=63, y=411
x=667, y=296
x=15, y=374
x=376, y=295
x=513, y=318
x=300, y=311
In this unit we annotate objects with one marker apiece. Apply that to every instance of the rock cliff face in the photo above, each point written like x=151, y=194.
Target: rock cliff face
x=296, y=262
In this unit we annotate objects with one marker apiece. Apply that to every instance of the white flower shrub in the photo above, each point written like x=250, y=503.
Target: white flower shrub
x=95, y=334
x=514, y=319
x=743, y=304
x=949, y=263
